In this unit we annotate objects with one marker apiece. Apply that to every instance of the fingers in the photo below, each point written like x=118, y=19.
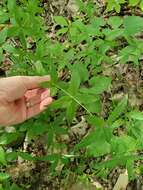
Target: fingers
x=36, y=96
x=38, y=108
x=13, y=88
x=34, y=81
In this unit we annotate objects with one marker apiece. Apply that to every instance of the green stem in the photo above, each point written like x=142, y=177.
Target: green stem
x=71, y=96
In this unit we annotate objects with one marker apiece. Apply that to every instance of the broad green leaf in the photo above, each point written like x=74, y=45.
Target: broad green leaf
x=95, y=121
x=99, y=148
x=74, y=82
x=136, y=115
x=94, y=107
x=95, y=136
x=130, y=168
x=86, y=98
x=7, y=138
x=11, y=156
x=123, y=144
x=141, y=5
x=89, y=139
x=62, y=31
x=61, y=102
x=113, y=34
x=3, y=35
x=60, y=20
x=117, y=7
x=2, y=156
x=115, y=21
x=97, y=22
x=15, y=187
x=71, y=110
x=4, y=176
x=1, y=188
x=119, y=109
x=9, y=48
x=38, y=128
x=100, y=83
x=11, y=5
x=82, y=71
x=3, y=17
x=133, y=25
x=39, y=68
x=117, y=124
x=116, y=161
x=13, y=31
x=26, y=156
x=133, y=2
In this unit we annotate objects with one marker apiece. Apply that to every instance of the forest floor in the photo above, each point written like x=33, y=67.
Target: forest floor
x=130, y=82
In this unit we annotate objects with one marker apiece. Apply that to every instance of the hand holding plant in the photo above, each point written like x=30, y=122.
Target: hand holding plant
x=21, y=98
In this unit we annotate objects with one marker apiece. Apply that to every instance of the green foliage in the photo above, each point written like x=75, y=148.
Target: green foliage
x=78, y=83
x=116, y=5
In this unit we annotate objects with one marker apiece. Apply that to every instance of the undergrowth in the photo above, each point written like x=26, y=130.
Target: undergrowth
x=74, y=52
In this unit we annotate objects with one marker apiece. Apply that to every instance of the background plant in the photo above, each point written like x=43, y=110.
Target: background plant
x=76, y=55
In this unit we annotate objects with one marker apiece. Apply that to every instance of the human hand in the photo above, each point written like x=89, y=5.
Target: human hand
x=22, y=98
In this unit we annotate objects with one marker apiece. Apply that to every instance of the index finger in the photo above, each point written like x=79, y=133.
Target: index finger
x=13, y=88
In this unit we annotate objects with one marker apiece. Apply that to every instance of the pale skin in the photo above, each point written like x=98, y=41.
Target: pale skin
x=22, y=98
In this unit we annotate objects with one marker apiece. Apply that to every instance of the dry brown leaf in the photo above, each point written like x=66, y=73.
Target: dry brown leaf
x=122, y=182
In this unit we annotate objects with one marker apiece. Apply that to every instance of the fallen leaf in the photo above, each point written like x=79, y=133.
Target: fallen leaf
x=122, y=182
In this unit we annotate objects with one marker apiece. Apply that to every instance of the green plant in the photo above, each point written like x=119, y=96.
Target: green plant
x=116, y=5
x=76, y=66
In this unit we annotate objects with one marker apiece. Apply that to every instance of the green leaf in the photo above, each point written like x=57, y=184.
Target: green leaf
x=39, y=68
x=89, y=139
x=7, y=138
x=11, y=156
x=3, y=35
x=86, y=99
x=74, y=83
x=11, y=5
x=71, y=110
x=62, y=31
x=38, y=128
x=123, y=144
x=100, y=83
x=119, y=109
x=3, y=17
x=15, y=187
x=60, y=20
x=26, y=156
x=93, y=137
x=133, y=25
x=61, y=102
x=117, y=7
x=2, y=156
x=9, y=48
x=115, y=21
x=4, y=176
x=113, y=34
x=136, y=115
x=141, y=5
x=130, y=168
x=133, y=2
x=82, y=71
x=94, y=107
x=99, y=148
x=95, y=121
